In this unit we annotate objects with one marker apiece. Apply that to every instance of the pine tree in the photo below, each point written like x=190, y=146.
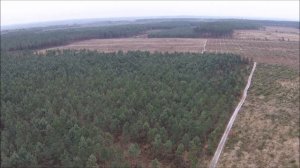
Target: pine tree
x=66, y=159
x=168, y=146
x=157, y=143
x=186, y=140
x=155, y=163
x=26, y=158
x=180, y=149
x=92, y=162
x=134, y=150
x=193, y=157
x=14, y=160
x=126, y=132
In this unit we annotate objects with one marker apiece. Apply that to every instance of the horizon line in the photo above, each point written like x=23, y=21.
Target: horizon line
x=141, y=17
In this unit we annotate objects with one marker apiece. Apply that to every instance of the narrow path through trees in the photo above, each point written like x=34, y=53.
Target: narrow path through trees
x=217, y=154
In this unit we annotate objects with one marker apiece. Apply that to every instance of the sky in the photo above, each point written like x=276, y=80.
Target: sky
x=22, y=12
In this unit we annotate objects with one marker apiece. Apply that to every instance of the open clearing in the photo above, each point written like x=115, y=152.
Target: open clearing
x=273, y=52
x=272, y=33
x=144, y=44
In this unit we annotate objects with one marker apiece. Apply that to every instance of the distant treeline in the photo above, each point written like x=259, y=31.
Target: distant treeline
x=222, y=29
x=292, y=24
x=37, y=38
x=205, y=29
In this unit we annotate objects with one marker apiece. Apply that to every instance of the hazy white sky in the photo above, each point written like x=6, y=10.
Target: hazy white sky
x=19, y=12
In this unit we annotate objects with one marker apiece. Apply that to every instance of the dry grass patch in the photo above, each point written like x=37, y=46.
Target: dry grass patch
x=267, y=127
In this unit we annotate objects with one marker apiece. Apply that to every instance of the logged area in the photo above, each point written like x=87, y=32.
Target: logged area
x=143, y=44
x=268, y=33
x=274, y=52
x=121, y=109
x=271, y=52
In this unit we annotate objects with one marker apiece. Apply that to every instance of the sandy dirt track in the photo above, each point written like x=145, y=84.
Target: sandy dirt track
x=230, y=123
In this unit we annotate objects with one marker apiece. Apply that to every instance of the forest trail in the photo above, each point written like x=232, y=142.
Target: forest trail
x=204, y=49
x=217, y=154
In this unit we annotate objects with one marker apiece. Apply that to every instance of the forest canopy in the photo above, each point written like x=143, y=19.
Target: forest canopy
x=71, y=108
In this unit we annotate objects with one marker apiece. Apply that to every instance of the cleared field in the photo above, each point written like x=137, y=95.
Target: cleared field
x=143, y=44
x=274, y=52
x=269, y=33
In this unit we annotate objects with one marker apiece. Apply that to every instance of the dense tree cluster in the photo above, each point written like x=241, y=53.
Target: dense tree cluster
x=69, y=108
x=214, y=30
x=293, y=24
x=222, y=28
x=205, y=29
